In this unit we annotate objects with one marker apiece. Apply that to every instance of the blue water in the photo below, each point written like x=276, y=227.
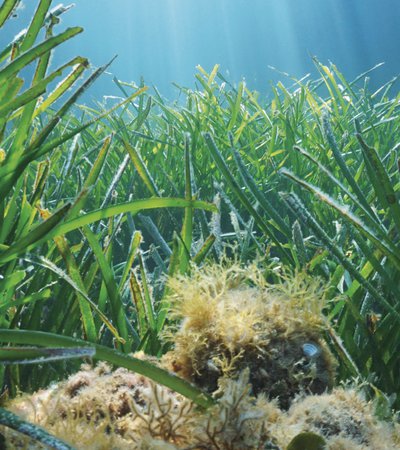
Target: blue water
x=164, y=40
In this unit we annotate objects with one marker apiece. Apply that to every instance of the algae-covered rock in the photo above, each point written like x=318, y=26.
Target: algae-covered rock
x=99, y=409
x=231, y=319
x=102, y=408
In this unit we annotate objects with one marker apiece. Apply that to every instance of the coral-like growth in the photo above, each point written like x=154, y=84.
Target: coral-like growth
x=102, y=409
x=238, y=421
x=231, y=319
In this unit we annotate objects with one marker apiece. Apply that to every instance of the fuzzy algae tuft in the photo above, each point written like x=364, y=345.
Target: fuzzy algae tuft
x=256, y=347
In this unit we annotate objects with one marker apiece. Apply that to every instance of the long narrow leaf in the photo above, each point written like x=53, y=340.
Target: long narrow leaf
x=11, y=420
x=141, y=168
x=261, y=198
x=37, y=235
x=31, y=355
x=114, y=357
x=36, y=90
x=131, y=207
x=383, y=186
x=187, y=227
x=343, y=166
x=63, y=86
x=19, y=63
x=117, y=306
x=34, y=151
x=265, y=227
x=6, y=10
x=385, y=248
x=295, y=203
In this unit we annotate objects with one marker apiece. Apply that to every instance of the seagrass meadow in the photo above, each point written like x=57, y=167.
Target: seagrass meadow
x=223, y=268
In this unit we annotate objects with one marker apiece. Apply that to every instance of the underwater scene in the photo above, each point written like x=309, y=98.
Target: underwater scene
x=200, y=225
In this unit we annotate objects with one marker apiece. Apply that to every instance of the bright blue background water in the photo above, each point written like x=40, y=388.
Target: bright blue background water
x=164, y=40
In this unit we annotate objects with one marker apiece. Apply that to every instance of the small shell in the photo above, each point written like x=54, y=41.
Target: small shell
x=311, y=350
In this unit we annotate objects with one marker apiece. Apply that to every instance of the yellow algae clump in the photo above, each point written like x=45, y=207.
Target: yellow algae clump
x=230, y=319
